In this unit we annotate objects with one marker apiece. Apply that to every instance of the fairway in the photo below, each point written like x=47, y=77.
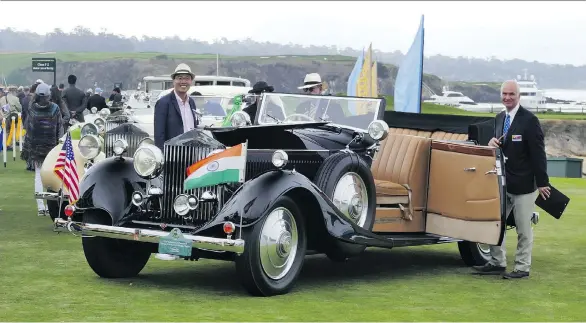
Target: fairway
x=44, y=277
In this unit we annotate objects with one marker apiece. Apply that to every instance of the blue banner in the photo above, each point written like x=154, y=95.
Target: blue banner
x=407, y=97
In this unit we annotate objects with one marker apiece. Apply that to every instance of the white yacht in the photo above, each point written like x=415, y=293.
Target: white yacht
x=451, y=98
x=532, y=97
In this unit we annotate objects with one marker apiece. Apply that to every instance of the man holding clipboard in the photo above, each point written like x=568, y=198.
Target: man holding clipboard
x=519, y=135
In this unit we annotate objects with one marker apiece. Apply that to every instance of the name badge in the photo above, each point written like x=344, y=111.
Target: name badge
x=517, y=138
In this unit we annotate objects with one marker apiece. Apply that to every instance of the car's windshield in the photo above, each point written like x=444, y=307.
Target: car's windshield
x=293, y=108
x=216, y=106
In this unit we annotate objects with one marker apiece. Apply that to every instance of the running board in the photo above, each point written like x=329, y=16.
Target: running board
x=408, y=240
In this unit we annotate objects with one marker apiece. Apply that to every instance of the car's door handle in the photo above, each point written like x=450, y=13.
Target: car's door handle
x=470, y=169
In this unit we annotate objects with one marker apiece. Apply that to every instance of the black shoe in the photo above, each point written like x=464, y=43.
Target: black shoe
x=489, y=269
x=516, y=274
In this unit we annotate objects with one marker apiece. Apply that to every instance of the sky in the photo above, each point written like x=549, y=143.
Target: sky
x=546, y=31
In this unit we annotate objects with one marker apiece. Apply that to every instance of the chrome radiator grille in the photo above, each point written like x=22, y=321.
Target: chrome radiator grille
x=132, y=139
x=111, y=125
x=177, y=160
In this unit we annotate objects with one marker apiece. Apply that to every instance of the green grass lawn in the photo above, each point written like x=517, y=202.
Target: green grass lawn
x=44, y=277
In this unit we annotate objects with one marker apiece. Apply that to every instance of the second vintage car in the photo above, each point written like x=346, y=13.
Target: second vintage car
x=321, y=174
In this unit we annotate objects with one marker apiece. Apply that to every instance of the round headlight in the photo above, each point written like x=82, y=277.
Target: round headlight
x=181, y=204
x=94, y=110
x=148, y=161
x=101, y=124
x=378, y=130
x=146, y=140
x=104, y=112
x=89, y=129
x=240, y=119
x=280, y=158
x=120, y=146
x=89, y=146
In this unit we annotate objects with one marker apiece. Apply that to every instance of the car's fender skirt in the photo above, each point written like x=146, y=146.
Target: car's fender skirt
x=253, y=199
x=108, y=185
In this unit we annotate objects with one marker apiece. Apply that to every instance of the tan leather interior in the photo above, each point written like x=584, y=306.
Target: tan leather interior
x=400, y=170
x=458, y=185
x=445, y=198
x=411, y=132
x=440, y=135
x=476, y=231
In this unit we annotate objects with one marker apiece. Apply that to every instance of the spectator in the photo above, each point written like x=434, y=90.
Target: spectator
x=44, y=127
x=74, y=99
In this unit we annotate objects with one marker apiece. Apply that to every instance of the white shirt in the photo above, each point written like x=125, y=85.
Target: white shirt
x=186, y=114
x=512, y=113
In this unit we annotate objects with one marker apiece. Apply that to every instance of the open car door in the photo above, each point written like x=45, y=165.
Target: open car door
x=466, y=193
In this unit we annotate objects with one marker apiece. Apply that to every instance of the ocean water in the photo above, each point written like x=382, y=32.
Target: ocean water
x=563, y=94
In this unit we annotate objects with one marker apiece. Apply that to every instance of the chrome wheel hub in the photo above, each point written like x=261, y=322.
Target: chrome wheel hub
x=278, y=243
x=484, y=248
x=351, y=198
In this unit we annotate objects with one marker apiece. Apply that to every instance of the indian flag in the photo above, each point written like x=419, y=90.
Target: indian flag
x=224, y=167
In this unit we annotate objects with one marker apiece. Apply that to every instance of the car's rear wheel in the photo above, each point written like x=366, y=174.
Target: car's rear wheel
x=347, y=180
x=473, y=253
x=274, y=251
x=113, y=258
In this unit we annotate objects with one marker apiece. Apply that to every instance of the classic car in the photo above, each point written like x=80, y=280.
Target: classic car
x=94, y=125
x=334, y=184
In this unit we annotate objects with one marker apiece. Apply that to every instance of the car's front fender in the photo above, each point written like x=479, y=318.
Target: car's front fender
x=49, y=179
x=109, y=184
x=253, y=199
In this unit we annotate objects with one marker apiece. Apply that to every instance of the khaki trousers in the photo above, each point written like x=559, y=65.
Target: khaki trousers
x=523, y=205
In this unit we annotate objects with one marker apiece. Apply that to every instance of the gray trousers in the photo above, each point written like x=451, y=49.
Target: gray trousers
x=523, y=205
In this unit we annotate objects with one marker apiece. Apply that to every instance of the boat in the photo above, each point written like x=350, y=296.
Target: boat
x=450, y=98
x=532, y=98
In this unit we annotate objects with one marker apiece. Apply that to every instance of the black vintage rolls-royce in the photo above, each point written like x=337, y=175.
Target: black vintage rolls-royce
x=323, y=175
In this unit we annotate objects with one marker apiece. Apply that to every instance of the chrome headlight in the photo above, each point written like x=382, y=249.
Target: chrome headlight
x=146, y=140
x=120, y=146
x=148, y=161
x=378, y=130
x=94, y=110
x=184, y=203
x=280, y=158
x=101, y=124
x=104, y=112
x=240, y=119
x=89, y=146
x=89, y=129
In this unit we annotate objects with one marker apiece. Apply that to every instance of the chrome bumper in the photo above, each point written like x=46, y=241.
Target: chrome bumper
x=145, y=235
x=50, y=196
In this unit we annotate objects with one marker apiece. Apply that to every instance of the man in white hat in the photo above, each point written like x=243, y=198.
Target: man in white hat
x=312, y=84
x=318, y=109
x=175, y=112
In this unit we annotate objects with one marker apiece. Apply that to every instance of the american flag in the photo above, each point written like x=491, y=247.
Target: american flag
x=66, y=169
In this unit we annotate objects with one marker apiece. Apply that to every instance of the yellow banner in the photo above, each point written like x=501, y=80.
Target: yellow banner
x=374, y=82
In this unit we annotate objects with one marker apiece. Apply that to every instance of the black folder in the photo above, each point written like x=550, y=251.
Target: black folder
x=555, y=204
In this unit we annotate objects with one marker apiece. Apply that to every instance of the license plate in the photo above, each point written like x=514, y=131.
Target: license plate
x=175, y=244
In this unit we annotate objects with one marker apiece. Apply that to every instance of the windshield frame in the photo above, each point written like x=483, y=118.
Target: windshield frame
x=378, y=115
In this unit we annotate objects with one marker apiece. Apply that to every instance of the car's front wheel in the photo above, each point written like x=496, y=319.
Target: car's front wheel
x=113, y=258
x=346, y=179
x=473, y=253
x=274, y=251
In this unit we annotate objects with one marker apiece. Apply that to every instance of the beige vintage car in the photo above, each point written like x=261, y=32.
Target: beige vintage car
x=92, y=130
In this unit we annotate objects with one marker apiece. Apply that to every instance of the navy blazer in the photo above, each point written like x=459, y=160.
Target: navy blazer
x=168, y=122
x=524, y=147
